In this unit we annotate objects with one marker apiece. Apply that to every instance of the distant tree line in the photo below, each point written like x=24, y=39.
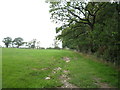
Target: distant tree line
x=17, y=42
x=89, y=27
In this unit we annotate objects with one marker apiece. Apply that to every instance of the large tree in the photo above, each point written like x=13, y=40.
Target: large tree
x=7, y=41
x=75, y=12
x=78, y=12
x=88, y=26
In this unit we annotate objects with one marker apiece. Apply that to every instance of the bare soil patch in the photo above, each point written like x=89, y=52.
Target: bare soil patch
x=39, y=69
x=101, y=84
x=64, y=80
x=66, y=59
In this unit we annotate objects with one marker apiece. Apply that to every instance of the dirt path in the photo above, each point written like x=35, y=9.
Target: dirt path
x=64, y=80
x=64, y=77
x=101, y=84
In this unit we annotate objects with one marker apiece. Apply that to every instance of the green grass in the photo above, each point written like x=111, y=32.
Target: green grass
x=22, y=68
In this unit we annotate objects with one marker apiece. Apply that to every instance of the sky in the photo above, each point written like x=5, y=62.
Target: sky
x=29, y=19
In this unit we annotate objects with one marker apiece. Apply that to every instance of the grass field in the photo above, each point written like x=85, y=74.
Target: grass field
x=28, y=68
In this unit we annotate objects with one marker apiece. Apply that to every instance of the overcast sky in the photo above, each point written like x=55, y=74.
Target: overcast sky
x=29, y=19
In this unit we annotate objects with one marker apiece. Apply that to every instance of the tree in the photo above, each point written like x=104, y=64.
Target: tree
x=18, y=41
x=89, y=27
x=106, y=33
x=7, y=41
x=32, y=43
x=76, y=12
x=38, y=44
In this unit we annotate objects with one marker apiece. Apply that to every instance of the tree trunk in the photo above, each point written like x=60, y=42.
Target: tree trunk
x=7, y=46
x=91, y=42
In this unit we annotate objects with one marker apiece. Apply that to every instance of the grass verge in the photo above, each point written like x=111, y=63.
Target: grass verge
x=28, y=68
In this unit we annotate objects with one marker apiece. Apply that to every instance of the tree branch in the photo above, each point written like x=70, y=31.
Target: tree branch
x=76, y=15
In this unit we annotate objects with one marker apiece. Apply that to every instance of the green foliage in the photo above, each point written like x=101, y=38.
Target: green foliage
x=89, y=27
x=32, y=43
x=7, y=41
x=18, y=41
